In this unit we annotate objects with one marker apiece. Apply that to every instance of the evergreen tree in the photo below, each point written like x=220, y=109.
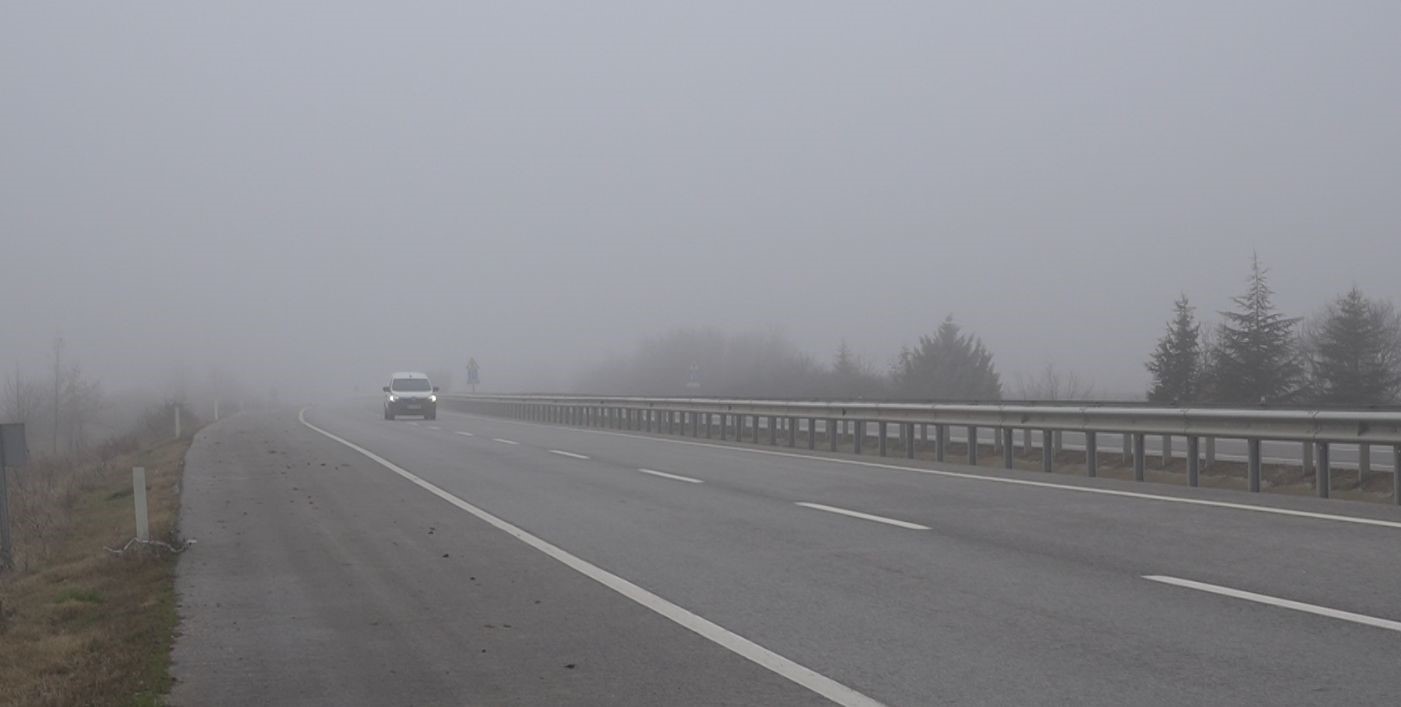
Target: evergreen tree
x=1176, y=363
x=1354, y=350
x=947, y=366
x=1256, y=358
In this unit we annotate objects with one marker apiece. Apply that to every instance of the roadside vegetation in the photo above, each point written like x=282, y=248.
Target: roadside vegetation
x=1348, y=353
x=80, y=623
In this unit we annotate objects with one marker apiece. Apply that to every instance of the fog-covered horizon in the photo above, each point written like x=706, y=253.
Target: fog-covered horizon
x=310, y=196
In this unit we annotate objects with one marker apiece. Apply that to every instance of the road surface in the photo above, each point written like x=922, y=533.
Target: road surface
x=474, y=560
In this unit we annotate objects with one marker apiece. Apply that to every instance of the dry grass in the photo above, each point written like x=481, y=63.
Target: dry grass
x=79, y=625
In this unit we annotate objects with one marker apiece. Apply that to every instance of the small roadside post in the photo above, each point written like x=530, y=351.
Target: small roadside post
x=138, y=492
x=13, y=452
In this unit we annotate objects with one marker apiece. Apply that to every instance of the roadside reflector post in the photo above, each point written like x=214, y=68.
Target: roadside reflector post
x=1048, y=451
x=138, y=492
x=1009, y=453
x=177, y=421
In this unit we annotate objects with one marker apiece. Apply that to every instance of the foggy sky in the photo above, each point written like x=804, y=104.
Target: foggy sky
x=313, y=194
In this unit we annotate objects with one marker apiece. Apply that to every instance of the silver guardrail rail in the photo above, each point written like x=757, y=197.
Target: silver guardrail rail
x=736, y=419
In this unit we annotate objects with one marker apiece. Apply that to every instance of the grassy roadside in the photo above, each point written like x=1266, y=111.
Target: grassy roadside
x=80, y=625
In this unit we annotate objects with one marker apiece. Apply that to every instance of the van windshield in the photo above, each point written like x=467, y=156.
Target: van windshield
x=410, y=384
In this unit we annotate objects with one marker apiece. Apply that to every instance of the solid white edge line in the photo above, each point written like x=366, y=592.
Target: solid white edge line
x=503, y=441
x=863, y=516
x=1276, y=601
x=995, y=479
x=733, y=642
x=563, y=453
x=464, y=434
x=674, y=477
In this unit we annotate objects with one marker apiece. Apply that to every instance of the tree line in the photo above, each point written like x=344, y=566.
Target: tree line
x=1348, y=353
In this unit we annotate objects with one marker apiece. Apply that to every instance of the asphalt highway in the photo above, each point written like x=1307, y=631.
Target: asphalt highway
x=345, y=559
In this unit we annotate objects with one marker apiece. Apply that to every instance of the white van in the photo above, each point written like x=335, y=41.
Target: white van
x=410, y=393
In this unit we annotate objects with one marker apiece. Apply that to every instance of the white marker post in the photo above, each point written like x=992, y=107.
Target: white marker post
x=177, y=421
x=138, y=491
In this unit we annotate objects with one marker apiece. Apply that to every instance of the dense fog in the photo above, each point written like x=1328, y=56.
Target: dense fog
x=292, y=200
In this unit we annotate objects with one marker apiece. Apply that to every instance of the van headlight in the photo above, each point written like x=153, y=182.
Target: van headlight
x=393, y=398
x=432, y=398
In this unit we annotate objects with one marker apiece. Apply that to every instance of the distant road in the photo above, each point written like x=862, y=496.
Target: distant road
x=473, y=560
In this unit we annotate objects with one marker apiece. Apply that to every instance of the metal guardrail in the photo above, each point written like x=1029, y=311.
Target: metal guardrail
x=733, y=418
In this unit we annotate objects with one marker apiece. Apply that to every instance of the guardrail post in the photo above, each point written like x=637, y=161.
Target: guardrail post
x=1364, y=464
x=1026, y=441
x=831, y=425
x=1323, y=476
x=1253, y=464
x=858, y=434
x=1091, y=454
x=1138, y=456
x=812, y=433
x=909, y=440
x=773, y=431
x=941, y=442
x=1167, y=450
x=881, y=430
x=1193, y=462
x=1127, y=439
x=1308, y=458
x=1396, y=474
x=1009, y=452
x=695, y=424
x=1058, y=439
x=972, y=445
x=1210, y=453
x=1048, y=451
x=792, y=432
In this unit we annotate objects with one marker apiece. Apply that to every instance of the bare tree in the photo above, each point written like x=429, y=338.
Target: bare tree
x=23, y=399
x=1052, y=384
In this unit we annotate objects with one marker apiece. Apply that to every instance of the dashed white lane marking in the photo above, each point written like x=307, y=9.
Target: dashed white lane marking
x=863, y=516
x=434, y=427
x=571, y=455
x=464, y=434
x=733, y=642
x=503, y=441
x=994, y=479
x=674, y=477
x=1276, y=601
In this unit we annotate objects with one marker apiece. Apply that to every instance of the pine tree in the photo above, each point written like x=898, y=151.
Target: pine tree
x=948, y=366
x=1355, y=352
x=1176, y=363
x=1256, y=358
